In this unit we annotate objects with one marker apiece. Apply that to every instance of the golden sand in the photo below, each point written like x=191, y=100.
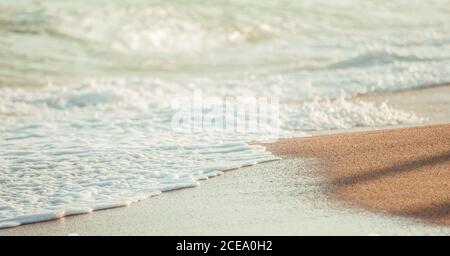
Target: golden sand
x=399, y=171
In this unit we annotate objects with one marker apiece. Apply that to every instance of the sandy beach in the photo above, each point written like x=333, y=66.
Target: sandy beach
x=387, y=182
x=400, y=171
x=403, y=171
x=136, y=117
x=275, y=198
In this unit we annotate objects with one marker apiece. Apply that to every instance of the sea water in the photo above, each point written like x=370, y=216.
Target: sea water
x=87, y=88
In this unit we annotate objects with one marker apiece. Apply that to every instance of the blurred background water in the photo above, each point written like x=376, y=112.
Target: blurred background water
x=86, y=86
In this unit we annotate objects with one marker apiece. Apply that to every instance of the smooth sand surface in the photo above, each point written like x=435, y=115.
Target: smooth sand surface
x=400, y=171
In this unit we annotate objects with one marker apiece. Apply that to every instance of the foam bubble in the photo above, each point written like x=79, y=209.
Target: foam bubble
x=78, y=146
x=341, y=114
x=106, y=144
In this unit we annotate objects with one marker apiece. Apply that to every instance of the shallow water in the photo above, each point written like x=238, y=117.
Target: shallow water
x=278, y=198
x=88, y=88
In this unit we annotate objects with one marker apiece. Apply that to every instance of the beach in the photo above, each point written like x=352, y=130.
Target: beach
x=403, y=171
x=297, y=196
x=250, y=117
x=400, y=171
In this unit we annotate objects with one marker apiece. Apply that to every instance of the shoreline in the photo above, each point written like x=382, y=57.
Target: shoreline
x=402, y=171
x=431, y=102
x=354, y=156
x=276, y=198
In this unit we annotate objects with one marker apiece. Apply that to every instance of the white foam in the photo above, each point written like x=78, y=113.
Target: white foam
x=343, y=114
x=94, y=154
x=65, y=151
x=89, y=144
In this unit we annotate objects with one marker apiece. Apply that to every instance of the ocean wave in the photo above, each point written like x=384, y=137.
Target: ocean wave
x=76, y=149
x=97, y=131
x=104, y=38
x=380, y=58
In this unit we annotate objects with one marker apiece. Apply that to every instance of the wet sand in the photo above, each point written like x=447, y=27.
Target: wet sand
x=402, y=171
x=432, y=103
x=287, y=197
x=275, y=198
